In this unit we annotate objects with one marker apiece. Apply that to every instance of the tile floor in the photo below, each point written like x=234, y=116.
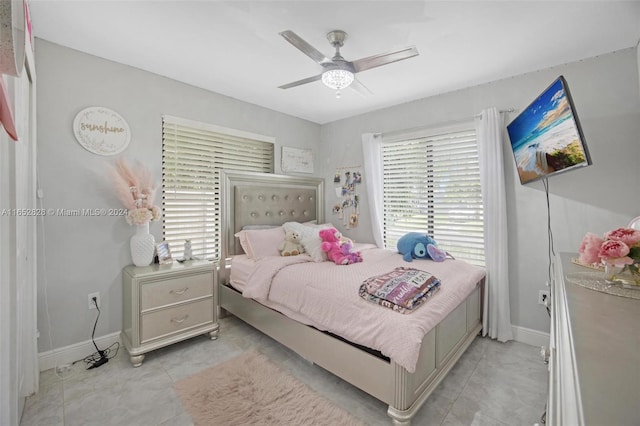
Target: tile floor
x=492, y=384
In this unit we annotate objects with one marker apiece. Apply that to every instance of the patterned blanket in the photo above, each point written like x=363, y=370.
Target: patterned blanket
x=402, y=290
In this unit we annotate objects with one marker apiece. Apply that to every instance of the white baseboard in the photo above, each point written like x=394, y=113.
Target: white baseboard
x=68, y=354
x=530, y=336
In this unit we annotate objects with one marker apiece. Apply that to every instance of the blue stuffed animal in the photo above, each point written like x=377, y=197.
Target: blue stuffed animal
x=415, y=245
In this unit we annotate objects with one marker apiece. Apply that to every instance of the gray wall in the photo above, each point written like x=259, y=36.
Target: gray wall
x=596, y=199
x=81, y=255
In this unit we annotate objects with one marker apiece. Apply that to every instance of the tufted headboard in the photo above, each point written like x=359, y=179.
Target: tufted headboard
x=250, y=198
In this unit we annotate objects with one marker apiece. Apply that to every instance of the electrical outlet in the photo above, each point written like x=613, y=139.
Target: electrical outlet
x=90, y=298
x=543, y=297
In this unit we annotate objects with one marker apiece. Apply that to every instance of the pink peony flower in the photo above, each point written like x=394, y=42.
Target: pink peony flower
x=134, y=187
x=628, y=236
x=589, y=249
x=615, y=253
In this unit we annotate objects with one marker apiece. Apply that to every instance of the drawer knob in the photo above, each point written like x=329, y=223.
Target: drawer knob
x=180, y=320
x=179, y=292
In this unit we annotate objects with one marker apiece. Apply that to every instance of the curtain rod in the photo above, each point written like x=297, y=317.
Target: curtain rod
x=502, y=111
x=436, y=125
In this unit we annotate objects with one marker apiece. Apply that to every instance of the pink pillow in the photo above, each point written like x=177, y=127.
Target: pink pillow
x=258, y=243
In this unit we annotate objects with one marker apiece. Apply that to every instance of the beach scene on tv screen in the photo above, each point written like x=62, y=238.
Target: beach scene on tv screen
x=545, y=138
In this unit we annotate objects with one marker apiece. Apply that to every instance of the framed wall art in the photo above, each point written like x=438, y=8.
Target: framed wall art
x=101, y=131
x=297, y=160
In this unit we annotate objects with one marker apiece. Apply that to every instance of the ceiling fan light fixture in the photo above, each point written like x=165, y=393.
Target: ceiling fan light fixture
x=337, y=79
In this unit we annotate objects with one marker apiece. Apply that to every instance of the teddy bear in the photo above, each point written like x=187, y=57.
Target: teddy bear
x=291, y=245
x=332, y=246
x=415, y=245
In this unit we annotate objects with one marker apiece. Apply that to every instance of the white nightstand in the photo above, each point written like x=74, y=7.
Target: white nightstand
x=164, y=304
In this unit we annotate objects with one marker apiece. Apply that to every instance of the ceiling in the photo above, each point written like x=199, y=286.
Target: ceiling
x=233, y=47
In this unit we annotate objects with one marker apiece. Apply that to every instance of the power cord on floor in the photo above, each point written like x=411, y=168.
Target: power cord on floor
x=100, y=357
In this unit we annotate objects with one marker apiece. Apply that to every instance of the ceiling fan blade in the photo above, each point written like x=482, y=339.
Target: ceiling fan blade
x=304, y=47
x=384, y=58
x=301, y=82
x=360, y=88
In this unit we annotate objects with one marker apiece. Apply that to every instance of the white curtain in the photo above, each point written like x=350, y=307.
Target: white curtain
x=371, y=143
x=497, y=315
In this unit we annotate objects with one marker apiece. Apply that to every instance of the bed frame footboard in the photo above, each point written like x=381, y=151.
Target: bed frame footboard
x=441, y=348
x=404, y=392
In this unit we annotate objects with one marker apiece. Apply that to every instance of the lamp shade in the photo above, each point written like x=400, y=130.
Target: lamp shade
x=337, y=79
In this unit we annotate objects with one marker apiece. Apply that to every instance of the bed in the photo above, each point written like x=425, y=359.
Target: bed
x=404, y=382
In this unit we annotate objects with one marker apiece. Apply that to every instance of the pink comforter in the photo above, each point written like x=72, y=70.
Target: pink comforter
x=325, y=296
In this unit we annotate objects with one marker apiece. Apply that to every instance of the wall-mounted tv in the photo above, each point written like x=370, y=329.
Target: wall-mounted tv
x=546, y=137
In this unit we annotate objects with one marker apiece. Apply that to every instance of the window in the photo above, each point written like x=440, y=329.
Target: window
x=431, y=183
x=193, y=153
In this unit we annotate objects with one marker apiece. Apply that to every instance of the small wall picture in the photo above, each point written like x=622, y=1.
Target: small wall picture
x=164, y=254
x=353, y=220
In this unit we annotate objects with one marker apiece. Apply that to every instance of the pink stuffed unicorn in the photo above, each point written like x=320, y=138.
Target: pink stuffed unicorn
x=347, y=250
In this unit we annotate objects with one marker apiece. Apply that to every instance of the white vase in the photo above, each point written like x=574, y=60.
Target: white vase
x=143, y=246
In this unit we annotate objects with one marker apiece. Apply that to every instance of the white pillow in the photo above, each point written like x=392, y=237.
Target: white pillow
x=310, y=239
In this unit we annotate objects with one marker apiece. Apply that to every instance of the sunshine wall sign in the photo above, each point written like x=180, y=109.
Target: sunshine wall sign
x=101, y=131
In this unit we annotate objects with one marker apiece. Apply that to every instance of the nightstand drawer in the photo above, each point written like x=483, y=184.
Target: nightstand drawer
x=172, y=320
x=179, y=289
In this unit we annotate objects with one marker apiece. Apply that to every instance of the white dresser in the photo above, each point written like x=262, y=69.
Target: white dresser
x=594, y=361
x=164, y=304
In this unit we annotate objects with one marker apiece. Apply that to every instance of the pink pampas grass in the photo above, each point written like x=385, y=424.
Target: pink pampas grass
x=135, y=189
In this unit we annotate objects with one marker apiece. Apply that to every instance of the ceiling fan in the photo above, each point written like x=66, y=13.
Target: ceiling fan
x=338, y=73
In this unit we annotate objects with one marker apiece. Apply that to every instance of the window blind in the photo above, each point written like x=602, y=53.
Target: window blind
x=193, y=154
x=431, y=184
